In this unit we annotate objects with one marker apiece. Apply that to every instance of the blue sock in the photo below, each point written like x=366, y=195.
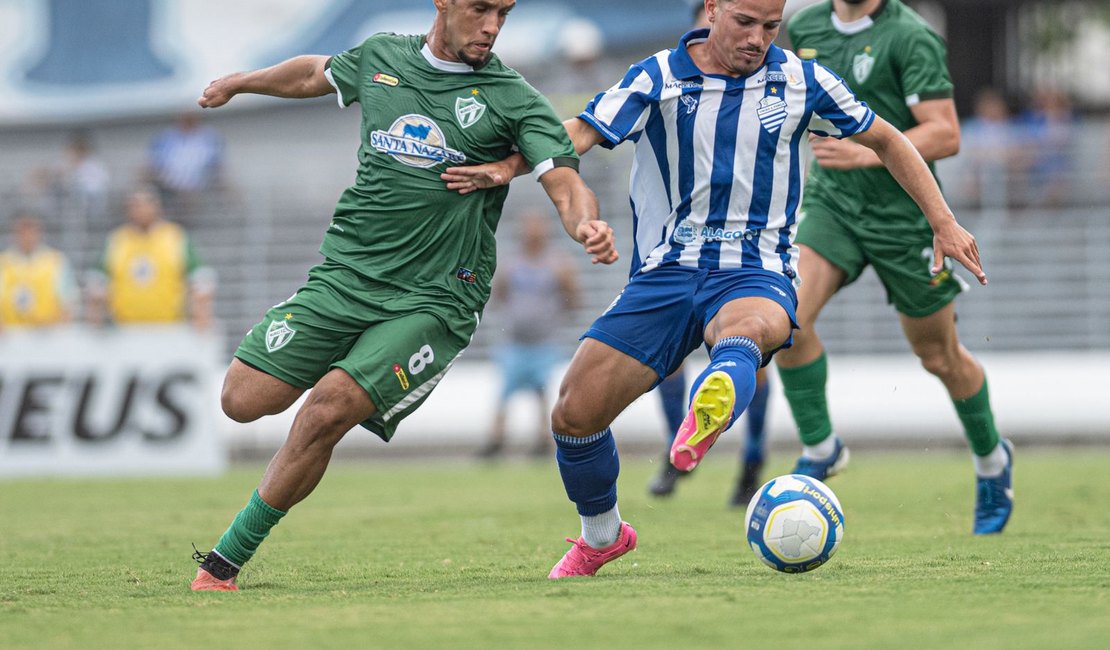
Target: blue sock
x=757, y=420
x=739, y=357
x=672, y=393
x=589, y=467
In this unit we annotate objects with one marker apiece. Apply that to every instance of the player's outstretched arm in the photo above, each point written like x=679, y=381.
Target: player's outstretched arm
x=296, y=78
x=909, y=169
x=577, y=207
x=936, y=136
x=465, y=180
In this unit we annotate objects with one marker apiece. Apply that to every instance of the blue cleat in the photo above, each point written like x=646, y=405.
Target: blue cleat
x=994, y=497
x=823, y=468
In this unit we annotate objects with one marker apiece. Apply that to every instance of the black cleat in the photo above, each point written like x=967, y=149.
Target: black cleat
x=746, y=485
x=663, y=484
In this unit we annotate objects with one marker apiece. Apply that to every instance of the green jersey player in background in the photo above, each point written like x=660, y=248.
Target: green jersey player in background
x=408, y=263
x=855, y=215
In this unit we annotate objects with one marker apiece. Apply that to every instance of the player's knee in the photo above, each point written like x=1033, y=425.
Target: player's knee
x=330, y=412
x=238, y=407
x=936, y=361
x=569, y=419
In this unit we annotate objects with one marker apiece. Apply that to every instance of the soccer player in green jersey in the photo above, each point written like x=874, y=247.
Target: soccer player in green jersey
x=408, y=263
x=856, y=214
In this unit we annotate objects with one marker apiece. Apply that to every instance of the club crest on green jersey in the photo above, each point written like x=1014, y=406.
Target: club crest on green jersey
x=278, y=335
x=468, y=111
x=862, y=65
x=416, y=141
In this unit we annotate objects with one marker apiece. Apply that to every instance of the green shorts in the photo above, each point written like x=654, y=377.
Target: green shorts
x=898, y=245
x=395, y=343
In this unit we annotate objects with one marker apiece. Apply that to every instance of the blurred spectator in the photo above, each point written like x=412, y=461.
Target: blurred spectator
x=580, y=46
x=1048, y=127
x=150, y=272
x=184, y=162
x=535, y=290
x=988, y=142
x=76, y=187
x=36, y=284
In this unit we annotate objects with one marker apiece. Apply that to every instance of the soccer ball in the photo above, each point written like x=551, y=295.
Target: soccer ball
x=794, y=523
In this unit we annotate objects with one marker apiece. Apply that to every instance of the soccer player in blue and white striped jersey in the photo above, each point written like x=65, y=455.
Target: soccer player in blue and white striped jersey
x=716, y=183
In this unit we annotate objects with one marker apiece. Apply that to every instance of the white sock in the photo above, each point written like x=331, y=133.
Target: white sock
x=601, y=530
x=821, y=450
x=992, y=464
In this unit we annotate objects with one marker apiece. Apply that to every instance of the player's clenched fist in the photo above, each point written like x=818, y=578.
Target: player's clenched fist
x=219, y=92
x=597, y=238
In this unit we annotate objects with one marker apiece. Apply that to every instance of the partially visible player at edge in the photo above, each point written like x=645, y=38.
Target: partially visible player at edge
x=715, y=189
x=855, y=215
x=408, y=264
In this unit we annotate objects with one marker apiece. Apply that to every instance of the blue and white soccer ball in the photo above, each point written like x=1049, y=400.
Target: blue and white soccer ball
x=794, y=523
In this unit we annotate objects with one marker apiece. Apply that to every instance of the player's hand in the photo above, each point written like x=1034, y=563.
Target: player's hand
x=955, y=242
x=832, y=153
x=597, y=238
x=219, y=92
x=465, y=180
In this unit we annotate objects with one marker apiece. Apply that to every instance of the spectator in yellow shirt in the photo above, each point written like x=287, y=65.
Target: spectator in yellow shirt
x=36, y=284
x=150, y=271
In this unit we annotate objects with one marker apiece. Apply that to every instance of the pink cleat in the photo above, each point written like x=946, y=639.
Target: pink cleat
x=207, y=582
x=710, y=412
x=584, y=560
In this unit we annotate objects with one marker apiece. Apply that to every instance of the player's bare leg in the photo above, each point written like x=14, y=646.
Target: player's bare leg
x=249, y=393
x=740, y=334
x=935, y=341
x=803, y=370
x=600, y=383
x=335, y=405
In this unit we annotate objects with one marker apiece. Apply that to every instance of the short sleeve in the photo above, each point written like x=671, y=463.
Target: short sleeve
x=541, y=138
x=922, y=60
x=621, y=112
x=836, y=111
x=201, y=277
x=342, y=73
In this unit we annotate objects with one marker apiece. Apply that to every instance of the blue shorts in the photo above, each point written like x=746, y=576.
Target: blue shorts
x=660, y=316
x=526, y=367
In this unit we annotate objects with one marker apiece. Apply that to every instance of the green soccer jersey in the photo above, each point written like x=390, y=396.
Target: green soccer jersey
x=398, y=223
x=891, y=60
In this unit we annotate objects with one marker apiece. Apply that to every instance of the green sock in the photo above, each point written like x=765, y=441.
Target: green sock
x=978, y=420
x=251, y=526
x=804, y=387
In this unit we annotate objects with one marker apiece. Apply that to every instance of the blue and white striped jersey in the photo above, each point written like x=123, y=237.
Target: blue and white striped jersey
x=717, y=177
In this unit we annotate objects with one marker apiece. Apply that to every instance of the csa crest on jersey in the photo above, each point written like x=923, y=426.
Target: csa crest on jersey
x=684, y=233
x=862, y=65
x=278, y=335
x=468, y=111
x=771, y=112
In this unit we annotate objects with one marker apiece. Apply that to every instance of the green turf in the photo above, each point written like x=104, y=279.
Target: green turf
x=456, y=555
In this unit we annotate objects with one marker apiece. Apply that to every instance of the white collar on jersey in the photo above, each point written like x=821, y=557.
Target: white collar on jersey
x=440, y=64
x=854, y=27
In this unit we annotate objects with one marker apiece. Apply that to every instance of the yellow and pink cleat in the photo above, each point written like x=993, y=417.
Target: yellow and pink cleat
x=710, y=412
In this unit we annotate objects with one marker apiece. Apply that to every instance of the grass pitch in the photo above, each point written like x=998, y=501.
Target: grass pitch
x=456, y=555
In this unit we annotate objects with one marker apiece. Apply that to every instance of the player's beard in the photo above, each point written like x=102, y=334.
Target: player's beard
x=475, y=62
